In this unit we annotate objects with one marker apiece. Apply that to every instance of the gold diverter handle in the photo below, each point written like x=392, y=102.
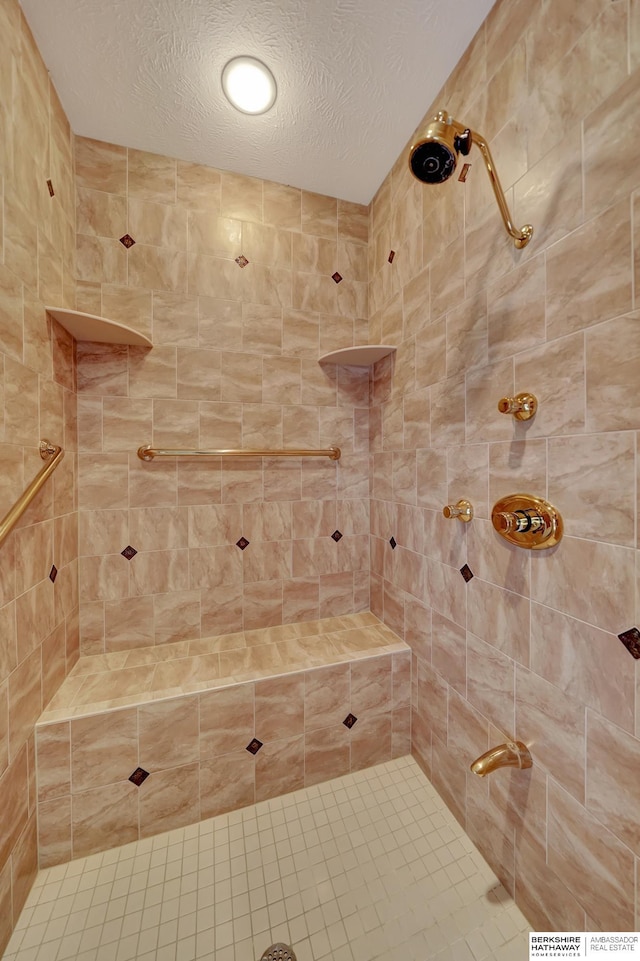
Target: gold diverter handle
x=527, y=521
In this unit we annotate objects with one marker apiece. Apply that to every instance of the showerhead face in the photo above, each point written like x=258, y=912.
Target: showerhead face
x=432, y=162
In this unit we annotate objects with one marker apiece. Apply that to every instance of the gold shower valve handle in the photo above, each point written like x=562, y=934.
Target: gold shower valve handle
x=523, y=406
x=463, y=510
x=527, y=521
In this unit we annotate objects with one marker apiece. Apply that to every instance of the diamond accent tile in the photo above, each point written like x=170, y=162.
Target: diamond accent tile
x=129, y=552
x=393, y=543
x=242, y=543
x=53, y=573
x=254, y=746
x=464, y=173
x=52, y=192
x=337, y=277
x=392, y=254
x=350, y=720
x=127, y=241
x=337, y=536
x=631, y=640
x=466, y=572
x=139, y=776
x=242, y=261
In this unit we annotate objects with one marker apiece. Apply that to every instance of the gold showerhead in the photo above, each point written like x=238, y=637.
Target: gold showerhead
x=433, y=158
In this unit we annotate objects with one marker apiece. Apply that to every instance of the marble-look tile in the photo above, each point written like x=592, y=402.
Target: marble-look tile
x=552, y=725
x=446, y=591
x=226, y=720
x=610, y=798
x=555, y=373
x=516, y=310
x=448, y=645
x=104, y=749
x=282, y=205
x=609, y=173
x=588, y=664
x=54, y=831
x=100, y=166
x=541, y=893
x=596, y=867
x=500, y=618
x=612, y=363
x=491, y=683
x=371, y=690
x=279, y=707
x=484, y=388
x=198, y=187
x=588, y=283
x=371, y=741
x=468, y=477
x=227, y=783
x=151, y=177
x=580, y=469
x=279, y=767
x=524, y=459
x=104, y=817
x=466, y=335
x=169, y=799
x=14, y=797
x=559, y=577
x=327, y=754
x=168, y=733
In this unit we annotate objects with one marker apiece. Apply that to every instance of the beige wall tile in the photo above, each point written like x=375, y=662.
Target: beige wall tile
x=54, y=831
x=104, y=816
x=168, y=734
x=104, y=749
x=587, y=283
x=609, y=173
x=558, y=581
x=169, y=799
x=553, y=727
x=611, y=799
x=580, y=850
x=612, y=362
x=279, y=707
x=279, y=767
x=555, y=373
x=580, y=469
x=371, y=741
x=100, y=166
x=501, y=618
x=586, y=663
x=227, y=783
x=151, y=177
x=198, y=187
x=491, y=683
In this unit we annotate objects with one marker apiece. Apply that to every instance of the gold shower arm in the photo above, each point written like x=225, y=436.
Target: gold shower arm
x=12, y=517
x=520, y=237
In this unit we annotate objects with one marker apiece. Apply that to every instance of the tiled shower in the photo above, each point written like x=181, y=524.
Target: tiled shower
x=241, y=285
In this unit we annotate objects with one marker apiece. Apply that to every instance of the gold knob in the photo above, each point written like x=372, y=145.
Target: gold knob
x=523, y=406
x=463, y=510
x=527, y=521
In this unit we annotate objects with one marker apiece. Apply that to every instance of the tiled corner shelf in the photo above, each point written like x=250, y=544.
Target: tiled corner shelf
x=83, y=326
x=363, y=356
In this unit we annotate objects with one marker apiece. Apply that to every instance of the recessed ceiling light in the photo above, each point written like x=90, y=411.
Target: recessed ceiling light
x=249, y=85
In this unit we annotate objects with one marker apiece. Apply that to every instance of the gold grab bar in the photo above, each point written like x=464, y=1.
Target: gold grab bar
x=148, y=453
x=10, y=519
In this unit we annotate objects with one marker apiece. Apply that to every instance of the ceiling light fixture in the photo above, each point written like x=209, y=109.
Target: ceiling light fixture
x=249, y=85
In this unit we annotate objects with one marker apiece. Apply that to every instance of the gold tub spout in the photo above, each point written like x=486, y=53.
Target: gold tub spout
x=511, y=754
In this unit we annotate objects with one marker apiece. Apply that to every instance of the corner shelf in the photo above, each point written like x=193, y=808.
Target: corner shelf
x=83, y=326
x=363, y=356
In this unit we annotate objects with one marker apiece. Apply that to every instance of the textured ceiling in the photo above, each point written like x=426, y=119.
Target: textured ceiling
x=354, y=79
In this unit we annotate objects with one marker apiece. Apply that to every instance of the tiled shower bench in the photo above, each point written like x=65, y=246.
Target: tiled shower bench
x=141, y=741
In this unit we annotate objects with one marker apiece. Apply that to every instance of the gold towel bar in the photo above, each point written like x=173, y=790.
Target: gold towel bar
x=10, y=519
x=148, y=453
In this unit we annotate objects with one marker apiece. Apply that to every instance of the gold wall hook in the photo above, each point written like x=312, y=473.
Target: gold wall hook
x=527, y=521
x=463, y=510
x=523, y=406
x=511, y=754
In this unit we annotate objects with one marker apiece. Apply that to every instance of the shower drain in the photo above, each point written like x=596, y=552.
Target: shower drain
x=279, y=952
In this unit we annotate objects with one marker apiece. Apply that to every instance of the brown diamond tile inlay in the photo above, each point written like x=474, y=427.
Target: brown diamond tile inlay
x=127, y=241
x=464, y=173
x=337, y=277
x=52, y=192
x=350, y=720
x=129, y=552
x=254, y=746
x=466, y=572
x=392, y=254
x=138, y=776
x=53, y=573
x=242, y=543
x=337, y=536
x=631, y=640
x=242, y=261
x=393, y=543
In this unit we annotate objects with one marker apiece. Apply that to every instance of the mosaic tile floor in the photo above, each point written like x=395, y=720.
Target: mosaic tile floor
x=368, y=866
x=121, y=678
